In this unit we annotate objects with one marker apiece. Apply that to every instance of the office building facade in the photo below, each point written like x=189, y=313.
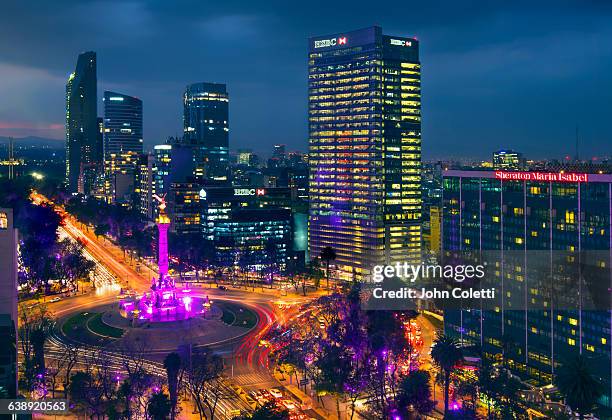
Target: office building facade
x=509, y=160
x=123, y=144
x=8, y=305
x=83, y=146
x=145, y=185
x=252, y=227
x=548, y=239
x=206, y=129
x=364, y=155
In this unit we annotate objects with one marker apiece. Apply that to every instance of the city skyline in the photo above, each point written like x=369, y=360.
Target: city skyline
x=322, y=211
x=499, y=57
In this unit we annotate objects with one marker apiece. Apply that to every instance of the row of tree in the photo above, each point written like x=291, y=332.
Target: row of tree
x=363, y=355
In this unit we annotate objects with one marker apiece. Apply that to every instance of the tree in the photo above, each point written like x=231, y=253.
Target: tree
x=313, y=270
x=172, y=364
x=101, y=229
x=269, y=411
x=159, y=406
x=34, y=327
x=334, y=367
x=414, y=392
x=578, y=385
x=271, y=258
x=328, y=255
x=202, y=375
x=446, y=353
x=73, y=264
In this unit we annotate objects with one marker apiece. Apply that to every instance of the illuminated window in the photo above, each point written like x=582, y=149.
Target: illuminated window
x=3, y=221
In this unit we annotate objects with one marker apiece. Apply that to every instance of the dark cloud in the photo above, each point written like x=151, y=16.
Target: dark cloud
x=513, y=74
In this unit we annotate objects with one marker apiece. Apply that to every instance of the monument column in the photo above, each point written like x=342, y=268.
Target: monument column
x=163, y=223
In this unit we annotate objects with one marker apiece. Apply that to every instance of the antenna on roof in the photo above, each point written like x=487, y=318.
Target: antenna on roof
x=577, y=155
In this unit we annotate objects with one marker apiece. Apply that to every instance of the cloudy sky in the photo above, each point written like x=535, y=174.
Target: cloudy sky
x=517, y=74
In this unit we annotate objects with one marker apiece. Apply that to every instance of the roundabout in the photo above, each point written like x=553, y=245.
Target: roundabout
x=106, y=326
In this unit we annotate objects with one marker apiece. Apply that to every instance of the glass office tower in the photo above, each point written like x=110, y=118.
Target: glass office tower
x=547, y=240
x=206, y=129
x=123, y=143
x=364, y=95
x=83, y=148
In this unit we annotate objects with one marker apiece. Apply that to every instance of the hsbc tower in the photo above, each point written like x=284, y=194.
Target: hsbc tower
x=364, y=119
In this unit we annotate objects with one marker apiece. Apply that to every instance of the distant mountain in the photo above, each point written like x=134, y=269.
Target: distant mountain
x=35, y=141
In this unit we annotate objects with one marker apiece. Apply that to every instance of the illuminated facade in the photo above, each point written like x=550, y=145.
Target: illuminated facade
x=248, y=226
x=184, y=207
x=145, y=187
x=83, y=146
x=206, y=129
x=508, y=160
x=364, y=149
x=123, y=143
x=545, y=231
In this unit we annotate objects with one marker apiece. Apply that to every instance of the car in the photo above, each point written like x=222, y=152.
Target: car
x=222, y=287
x=55, y=299
x=276, y=393
x=289, y=405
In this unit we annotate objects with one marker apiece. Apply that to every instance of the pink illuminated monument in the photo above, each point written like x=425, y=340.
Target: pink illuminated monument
x=163, y=302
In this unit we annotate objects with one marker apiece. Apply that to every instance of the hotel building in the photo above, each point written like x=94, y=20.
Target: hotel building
x=548, y=241
x=364, y=116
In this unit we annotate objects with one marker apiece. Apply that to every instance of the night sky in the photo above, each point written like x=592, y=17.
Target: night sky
x=495, y=73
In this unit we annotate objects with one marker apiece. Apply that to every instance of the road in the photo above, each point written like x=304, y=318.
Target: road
x=246, y=362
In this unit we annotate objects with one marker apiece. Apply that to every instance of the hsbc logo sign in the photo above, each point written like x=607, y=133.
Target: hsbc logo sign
x=331, y=42
x=250, y=191
x=400, y=43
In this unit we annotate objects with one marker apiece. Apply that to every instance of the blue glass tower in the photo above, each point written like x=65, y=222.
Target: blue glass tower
x=206, y=129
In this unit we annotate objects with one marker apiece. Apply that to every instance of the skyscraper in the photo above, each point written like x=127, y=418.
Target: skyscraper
x=122, y=144
x=83, y=148
x=206, y=128
x=364, y=114
x=547, y=240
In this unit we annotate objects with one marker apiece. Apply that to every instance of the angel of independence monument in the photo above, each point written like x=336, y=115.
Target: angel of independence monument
x=164, y=302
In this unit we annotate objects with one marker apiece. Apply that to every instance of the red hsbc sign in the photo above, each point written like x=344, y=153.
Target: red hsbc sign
x=541, y=176
x=331, y=42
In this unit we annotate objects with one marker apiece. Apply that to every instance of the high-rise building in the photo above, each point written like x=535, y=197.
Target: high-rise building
x=364, y=91
x=184, y=207
x=83, y=147
x=547, y=241
x=244, y=157
x=435, y=218
x=173, y=163
x=145, y=185
x=206, y=129
x=8, y=304
x=250, y=226
x=123, y=144
x=508, y=160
